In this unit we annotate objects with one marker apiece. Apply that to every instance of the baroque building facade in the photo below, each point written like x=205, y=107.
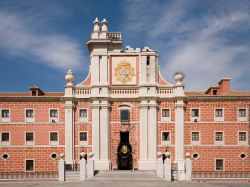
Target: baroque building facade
x=125, y=113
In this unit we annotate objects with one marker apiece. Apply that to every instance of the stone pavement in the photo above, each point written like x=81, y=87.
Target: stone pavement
x=123, y=179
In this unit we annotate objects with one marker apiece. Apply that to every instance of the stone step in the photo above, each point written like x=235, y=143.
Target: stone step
x=72, y=176
x=126, y=175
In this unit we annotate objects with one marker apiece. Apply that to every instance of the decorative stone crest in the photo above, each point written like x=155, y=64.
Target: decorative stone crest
x=124, y=72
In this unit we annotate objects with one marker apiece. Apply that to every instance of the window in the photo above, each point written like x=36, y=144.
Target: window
x=29, y=165
x=29, y=138
x=165, y=138
x=195, y=136
x=219, y=165
x=83, y=115
x=53, y=114
x=5, y=156
x=83, y=138
x=124, y=115
x=5, y=138
x=218, y=114
x=53, y=156
x=29, y=115
x=54, y=138
x=219, y=137
x=165, y=114
x=195, y=114
x=242, y=138
x=5, y=115
x=242, y=114
x=196, y=156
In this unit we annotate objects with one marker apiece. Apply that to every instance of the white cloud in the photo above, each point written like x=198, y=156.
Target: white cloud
x=196, y=38
x=19, y=38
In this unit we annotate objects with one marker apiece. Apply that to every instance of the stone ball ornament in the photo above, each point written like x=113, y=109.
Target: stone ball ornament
x=167, y=154
x=61, y=155
x=83, y=154
x=90, y=155
x=178, y=77
x=188, y=154
x=69, y=77
x=159, y=154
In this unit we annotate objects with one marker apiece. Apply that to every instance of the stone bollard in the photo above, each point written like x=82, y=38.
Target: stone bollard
x=188, y=167
x=90, y=165
x=167, y=167
x=159, y=166
x=83, y=167
x=61, y=168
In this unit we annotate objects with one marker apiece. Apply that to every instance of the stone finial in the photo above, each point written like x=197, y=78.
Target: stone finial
x=83, y=154
x=96, y=24
x=178, y=77
x=104, y=25
x=167, y=154
x=159, y=154
x=61, y=155
x=188, y=154
x=69, y=77
x=90, y=155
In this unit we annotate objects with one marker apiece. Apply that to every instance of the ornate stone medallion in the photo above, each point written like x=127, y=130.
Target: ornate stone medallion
x=124, y=149
x=124, y=72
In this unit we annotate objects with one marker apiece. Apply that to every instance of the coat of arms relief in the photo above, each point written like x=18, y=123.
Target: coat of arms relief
x=124, y=72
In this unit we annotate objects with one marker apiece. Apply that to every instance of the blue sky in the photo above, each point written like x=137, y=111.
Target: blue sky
x=205, y=39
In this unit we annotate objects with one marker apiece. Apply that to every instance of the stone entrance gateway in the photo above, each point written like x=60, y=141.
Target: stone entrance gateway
x=124, y=150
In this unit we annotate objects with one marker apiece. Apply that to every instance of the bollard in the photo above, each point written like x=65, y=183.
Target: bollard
x=82, y=167
x=159, y=166
x=61, y=171
x=90, y=165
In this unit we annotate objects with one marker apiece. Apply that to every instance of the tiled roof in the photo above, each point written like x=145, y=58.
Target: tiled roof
x=202, y=94
x=27, y=94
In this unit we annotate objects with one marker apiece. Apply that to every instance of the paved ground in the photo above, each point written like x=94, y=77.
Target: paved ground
x=123, y=179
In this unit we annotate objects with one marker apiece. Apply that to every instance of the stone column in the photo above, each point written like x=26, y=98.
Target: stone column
x=96, y=129
x=104, y=163
x=143, y=135
x=179, y=126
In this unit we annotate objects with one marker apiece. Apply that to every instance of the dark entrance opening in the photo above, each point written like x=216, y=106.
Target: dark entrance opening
x=124, y=156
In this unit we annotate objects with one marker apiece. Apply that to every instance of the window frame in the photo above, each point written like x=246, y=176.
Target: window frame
x=194, y=142
x=218, y=142
x=5, y=143
x=165, y=142
x=83, y=119
x=25, y=165
x=195, y=117
x=125, y=121
x=51, y=142
x=242, y=119
x=242, y=142
x=29, y=143
x=223, y=164
x=168, y=118
x=5, y=119
x=83, y=143
x=29, y=119
x=219, y=118
x=56, y=119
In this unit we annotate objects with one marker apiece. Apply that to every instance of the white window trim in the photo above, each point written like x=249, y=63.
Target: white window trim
x=166, y=143
x=218, y=119
x=29, y=143
x=215, y=164
x=5, y=143
x=219, y=142
x=5, y=120
x=54, y=143
x=30, y=119
x=54, y=118
x=34, y=169
x=166, y=119
x=195, y=142
x=242, y=142
x=193, y=118
x=242, y=119
x=83, y=119
x=83, y=143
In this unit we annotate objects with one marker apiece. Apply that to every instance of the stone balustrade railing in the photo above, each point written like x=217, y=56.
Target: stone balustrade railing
x=115, y=35
x=85, y=92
